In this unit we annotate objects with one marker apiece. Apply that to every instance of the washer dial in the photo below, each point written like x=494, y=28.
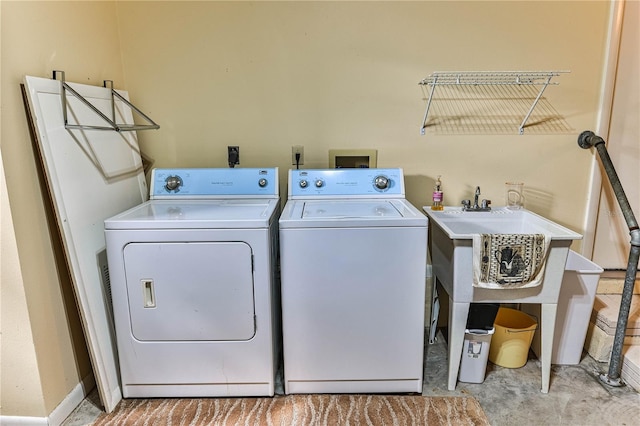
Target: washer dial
x=381, y=182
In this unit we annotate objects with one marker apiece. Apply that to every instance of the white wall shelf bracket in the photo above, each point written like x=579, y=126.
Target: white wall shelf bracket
x=488, y=100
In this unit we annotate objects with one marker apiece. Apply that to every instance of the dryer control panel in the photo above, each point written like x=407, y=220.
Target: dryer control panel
x=214, y=183
x=346, y=183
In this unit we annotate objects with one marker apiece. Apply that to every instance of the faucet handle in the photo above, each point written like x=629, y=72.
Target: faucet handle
x=466, y=203
x=486, y=203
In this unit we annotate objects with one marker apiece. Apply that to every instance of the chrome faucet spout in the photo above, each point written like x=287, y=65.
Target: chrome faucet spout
x=485, y=207
x=475, y=198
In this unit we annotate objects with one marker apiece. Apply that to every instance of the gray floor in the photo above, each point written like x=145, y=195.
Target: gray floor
x=509, y=396
x=512, y=396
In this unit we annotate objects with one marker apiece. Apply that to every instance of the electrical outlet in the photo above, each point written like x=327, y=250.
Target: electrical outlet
x=297, y=149
x=233, y=155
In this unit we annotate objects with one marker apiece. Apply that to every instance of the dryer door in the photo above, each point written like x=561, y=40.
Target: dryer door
x=190, y=291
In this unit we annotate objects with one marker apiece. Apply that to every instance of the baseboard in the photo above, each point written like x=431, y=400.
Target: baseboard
x=60, y=413
x=23, y=421
x=75, y=397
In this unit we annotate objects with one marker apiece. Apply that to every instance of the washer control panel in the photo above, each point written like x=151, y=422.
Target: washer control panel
x=212, y=183
x=346, y=183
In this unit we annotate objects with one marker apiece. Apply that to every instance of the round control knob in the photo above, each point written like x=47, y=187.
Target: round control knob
x=381, y=182
x=319, y=183
x=262, y=183
x=172, y=183
x=303, y=184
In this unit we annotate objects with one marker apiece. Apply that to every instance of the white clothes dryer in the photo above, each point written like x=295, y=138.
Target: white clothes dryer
x=353, y=255
x=193, y=283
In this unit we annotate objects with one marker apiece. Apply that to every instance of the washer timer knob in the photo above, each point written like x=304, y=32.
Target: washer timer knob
x=303, y=183
x=262, y=183
x=319, y=183
x=172, y=183
x=381, y=182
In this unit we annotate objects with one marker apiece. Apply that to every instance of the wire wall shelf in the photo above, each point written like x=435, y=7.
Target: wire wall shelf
x=491, y=102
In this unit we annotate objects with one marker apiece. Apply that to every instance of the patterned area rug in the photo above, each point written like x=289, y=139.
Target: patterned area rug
x=300, y=410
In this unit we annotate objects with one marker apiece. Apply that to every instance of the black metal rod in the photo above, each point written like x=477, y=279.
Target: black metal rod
x=586, y=140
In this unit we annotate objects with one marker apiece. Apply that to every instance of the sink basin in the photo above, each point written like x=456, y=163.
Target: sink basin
x=459, y=224
x=451, y=236
x=452, y=233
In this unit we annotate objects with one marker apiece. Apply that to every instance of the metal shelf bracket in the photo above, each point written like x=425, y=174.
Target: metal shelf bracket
x=111, y=121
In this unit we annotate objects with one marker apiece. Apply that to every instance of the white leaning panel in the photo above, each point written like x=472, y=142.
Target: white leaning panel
x=91, y=175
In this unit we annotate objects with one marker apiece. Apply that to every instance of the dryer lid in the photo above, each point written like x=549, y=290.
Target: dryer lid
x=194, y=214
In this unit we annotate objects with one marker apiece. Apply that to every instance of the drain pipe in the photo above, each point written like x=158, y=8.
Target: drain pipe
x=588, y=139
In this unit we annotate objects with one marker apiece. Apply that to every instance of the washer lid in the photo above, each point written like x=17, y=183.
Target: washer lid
x=349, y=209
x=350, y=213
x=190, y=214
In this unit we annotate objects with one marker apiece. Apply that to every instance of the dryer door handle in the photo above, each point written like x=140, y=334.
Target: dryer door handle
x=148, y=294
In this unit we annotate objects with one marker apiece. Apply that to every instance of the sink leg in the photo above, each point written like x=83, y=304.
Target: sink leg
x=458, y=313
x=548, y=325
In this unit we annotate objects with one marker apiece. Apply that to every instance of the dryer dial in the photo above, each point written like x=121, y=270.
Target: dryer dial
x=173, y=183
x=303, y=183
x=319, y=183
x=262, y=183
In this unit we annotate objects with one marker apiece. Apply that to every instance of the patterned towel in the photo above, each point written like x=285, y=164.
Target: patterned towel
x=507, y=261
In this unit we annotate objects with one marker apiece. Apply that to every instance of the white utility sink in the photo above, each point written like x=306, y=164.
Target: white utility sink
x=458, y=224
x=451, y=232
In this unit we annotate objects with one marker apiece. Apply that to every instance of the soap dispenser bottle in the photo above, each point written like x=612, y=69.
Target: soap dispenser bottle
x=437, y=196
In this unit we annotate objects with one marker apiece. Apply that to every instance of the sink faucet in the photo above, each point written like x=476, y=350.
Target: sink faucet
x=475, y=199
x=483, y=207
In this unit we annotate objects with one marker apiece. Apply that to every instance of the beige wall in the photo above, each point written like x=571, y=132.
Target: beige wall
x=266, y=76
x=612, y=242
x=80, y=38
x=19, y=375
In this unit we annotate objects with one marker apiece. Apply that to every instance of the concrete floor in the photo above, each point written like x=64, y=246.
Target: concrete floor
x=512, y=396
x=508, y=396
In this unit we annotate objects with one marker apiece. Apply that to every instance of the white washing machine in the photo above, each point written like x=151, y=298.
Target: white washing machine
x=193, y=282
x=353, y=254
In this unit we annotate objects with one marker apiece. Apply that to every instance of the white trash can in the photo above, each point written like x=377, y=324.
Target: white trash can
x=475, y=353
x=575, y=303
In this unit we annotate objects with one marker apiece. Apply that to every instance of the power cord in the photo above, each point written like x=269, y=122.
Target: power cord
x=297, y=160
x=233, y=157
